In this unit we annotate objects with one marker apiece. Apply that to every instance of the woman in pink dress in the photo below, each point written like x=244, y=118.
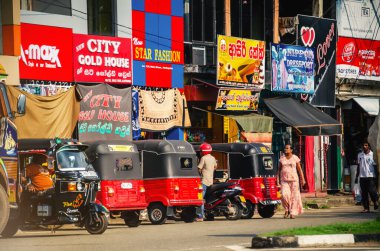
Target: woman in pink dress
x=291, y=196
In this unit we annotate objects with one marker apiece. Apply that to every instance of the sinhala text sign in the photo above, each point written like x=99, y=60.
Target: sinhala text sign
x=292, y=68
x=241, y=62
x=237, y=99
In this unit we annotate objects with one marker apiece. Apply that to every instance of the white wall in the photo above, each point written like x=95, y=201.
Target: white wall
x=124, y=18
x=78, y=20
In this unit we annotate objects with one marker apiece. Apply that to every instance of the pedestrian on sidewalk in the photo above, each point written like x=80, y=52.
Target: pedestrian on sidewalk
x=289, y=166
x=366, y=172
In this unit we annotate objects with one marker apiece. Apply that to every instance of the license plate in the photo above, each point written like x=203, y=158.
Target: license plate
x=89, y=173
x=242, y=198
x=126, y=185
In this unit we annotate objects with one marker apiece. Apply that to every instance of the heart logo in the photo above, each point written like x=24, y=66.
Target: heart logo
x=307, y=36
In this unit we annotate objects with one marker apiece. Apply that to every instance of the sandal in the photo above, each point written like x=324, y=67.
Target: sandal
x=365, y=211
x=286, y=215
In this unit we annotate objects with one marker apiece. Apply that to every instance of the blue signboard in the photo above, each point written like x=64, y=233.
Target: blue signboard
x=292, y=68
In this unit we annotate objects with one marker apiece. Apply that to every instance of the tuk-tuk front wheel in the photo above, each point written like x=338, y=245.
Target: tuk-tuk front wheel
x=157, y=214
x=96, y=225
x=248, y=211
x=266, y=211
x=131, y=218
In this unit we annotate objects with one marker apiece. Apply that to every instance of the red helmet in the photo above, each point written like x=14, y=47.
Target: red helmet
x=205, y=148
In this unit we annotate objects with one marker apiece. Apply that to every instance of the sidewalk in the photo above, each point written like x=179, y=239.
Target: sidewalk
x=323, y=200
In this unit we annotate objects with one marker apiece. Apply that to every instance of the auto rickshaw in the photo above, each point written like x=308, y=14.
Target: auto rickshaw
x=171, y=180
x=122, y=190
x=70, y=200
x=251, y=166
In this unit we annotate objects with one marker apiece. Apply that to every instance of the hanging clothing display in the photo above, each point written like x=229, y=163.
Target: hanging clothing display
x=44, y=90
x=136, y=130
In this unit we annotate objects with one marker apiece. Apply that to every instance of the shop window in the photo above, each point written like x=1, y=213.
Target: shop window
x=62, y=7
x=101, y=17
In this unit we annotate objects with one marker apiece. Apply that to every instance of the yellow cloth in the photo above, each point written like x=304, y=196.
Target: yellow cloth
x=45, y=117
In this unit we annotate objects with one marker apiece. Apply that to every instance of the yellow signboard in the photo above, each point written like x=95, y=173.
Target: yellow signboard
x=237, y=100
x=241, y=62
x=120, y=148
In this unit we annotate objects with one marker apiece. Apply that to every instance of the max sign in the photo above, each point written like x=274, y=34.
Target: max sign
x=102, y=59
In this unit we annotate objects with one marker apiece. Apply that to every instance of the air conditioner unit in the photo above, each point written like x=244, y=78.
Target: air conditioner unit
x=199, y=55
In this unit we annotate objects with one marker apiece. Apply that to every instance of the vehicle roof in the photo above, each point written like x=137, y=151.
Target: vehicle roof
x=239, y=147
x=164, y=146
x=102, y=146
x=46, y=144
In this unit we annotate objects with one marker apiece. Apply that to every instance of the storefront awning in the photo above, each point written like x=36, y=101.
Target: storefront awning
x=370, y=105
x=249, y=122
x=305, y=118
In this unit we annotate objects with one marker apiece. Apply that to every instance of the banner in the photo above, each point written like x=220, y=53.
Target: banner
x=241, y=62
x=358, y=59
x=292, y=68
x=237, y=100
x=162, y=110
x=102, y=59
x=158, y=43
x=321, y=34
x=105, y=113
x=256, y=137
x=46, y=53
x=358, y=18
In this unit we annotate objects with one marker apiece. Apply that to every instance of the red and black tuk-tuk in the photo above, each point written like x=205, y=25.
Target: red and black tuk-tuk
x=171, y=179
x=251, y=166
x=122, y=190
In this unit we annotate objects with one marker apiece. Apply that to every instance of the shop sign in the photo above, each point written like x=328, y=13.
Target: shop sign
x=358, y=18
x=241, y=62
x=158, y=44
x=292, y=68
x=105, y=113
x=237, y=100
x=102, y=59
x=9, y=70
x=46, y=53
x=358, y=59
x=321, y=35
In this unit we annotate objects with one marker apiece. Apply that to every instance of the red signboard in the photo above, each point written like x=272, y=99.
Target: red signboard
x=102, y=59
x=46, y=53
x=358, y=58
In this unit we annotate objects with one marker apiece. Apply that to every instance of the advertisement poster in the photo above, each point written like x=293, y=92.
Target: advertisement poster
x=158, y=44
x=358, y=59
x=46, y=53
x=102, y=59
x=105, y=113
x=320, y=34
x=237, y=100
x=292, y=68
x=358, y=18
x=241, y=62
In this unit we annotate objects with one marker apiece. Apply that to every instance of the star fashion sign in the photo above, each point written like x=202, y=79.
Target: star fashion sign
x=102, y=59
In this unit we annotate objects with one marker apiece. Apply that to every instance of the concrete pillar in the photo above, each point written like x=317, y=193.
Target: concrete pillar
x=10, y=19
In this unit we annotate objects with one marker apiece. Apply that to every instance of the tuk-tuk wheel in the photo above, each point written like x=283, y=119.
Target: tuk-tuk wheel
x=188, y=214
x=157, y=213
x=96, y=227
x=131, y=219
x=266, y=211
x=248, y=211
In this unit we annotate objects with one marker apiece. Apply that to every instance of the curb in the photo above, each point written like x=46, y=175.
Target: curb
x=312, y=240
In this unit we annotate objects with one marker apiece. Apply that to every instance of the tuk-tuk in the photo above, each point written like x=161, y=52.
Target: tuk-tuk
x=122, y=190
x=171, y=180
x=251, y=166
x=71, y=196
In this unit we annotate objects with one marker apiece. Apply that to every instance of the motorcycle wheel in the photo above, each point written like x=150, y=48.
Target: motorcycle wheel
x=131, y=219
x=266, y=211
x=10, y=229
x=4, y=209
x=96, y=227
x=188, y=215
x=248, y=211
x=237, y=214
x=157, y=214
x=209, y=216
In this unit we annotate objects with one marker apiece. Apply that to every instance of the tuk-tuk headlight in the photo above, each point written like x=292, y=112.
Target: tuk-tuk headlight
x=80, y=186
x=71, y=186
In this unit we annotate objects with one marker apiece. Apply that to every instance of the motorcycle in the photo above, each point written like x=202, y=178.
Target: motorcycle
x=224, y=199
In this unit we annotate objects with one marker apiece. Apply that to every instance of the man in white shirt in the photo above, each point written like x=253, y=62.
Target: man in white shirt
x=366, y=170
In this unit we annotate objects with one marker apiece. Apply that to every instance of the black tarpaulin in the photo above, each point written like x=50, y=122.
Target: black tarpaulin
x=305, y=118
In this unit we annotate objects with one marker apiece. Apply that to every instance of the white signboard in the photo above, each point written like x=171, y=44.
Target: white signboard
x=358, y=18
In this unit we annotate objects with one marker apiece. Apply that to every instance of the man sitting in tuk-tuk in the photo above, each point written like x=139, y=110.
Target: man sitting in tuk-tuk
x=39, y=175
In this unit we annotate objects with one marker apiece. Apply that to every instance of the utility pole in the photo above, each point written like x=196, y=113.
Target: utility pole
x=318, y=8
x=227, y=17
x=276, y=10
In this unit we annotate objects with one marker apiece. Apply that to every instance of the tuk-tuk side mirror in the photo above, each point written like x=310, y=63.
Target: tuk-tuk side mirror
x=21, y=101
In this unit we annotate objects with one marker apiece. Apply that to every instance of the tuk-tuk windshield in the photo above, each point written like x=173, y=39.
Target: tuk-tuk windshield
x=71, y=158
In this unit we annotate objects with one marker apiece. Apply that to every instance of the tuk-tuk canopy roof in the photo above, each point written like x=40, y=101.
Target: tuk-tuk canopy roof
x=241, y=147
x=107, y=146
x=46, y=144
x=164, y=146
